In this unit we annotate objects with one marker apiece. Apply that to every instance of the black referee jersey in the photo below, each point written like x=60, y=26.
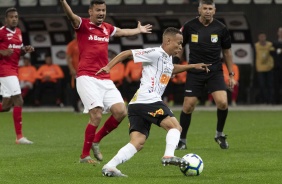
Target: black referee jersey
x=206, y=42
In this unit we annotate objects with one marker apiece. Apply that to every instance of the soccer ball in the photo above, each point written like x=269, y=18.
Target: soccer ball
x=196, y=165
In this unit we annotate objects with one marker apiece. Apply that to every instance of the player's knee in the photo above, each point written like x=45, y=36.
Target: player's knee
x=179, y=128
x=120, y=114
x=188, y=108
x=222, y=105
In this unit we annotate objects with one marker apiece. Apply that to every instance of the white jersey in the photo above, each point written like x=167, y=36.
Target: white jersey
x=156, y=73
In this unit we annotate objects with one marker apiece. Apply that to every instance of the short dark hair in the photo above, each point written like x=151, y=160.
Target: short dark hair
x=171, y=31
x=10, y=10
x=96, y=2
x=209, y=2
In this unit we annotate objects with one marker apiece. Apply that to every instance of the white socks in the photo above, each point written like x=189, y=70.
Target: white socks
x=172, y=139
x=124, y=154
x=218, y=134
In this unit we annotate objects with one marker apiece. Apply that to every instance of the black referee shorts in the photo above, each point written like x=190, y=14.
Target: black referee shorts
x=197, y=82
x=141, y=116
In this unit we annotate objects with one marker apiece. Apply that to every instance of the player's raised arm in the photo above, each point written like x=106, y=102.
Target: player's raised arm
x=119, y=58
x=75, y=20
x=130, y=32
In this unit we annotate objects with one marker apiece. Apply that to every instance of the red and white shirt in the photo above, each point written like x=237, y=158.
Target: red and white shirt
x=93, y=47
x=10, y=39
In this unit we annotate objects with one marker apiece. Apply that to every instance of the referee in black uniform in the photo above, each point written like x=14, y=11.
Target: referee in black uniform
x=207, y=38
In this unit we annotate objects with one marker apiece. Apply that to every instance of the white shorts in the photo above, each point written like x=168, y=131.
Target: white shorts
x=97, y=93
x=9, y=86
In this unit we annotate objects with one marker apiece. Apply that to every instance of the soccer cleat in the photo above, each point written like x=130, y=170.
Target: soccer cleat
x=221, y=140
x=169, y=160
x=88, y=160
x=181, y=146
x=96, y=150
x=112, y=172
x=23, y=140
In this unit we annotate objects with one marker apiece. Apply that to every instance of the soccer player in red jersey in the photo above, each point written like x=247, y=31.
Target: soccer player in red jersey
x=11, y=48
x=97, y=92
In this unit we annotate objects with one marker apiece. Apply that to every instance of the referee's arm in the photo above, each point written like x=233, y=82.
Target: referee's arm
x=227, y=55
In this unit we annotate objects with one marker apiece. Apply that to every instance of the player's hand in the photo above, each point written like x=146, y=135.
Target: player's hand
x=28, y=49
x=105, y=69
x=144, y=29
x=7, y=52
x=202, y=66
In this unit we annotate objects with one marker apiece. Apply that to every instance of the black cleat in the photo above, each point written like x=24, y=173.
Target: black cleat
x=221, y=140
x=181, y=146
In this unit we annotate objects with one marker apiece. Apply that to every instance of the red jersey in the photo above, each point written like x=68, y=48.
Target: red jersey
x=10, y=40
x=93, y=44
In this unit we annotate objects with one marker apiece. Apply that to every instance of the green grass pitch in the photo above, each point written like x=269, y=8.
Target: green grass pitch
x=255, y=154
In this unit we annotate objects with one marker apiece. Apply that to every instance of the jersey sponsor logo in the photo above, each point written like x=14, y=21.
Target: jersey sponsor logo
x=143, y=52
x=97, y=38
x=91, y=28
x=188, y=91
x=194, y=38
x=214, y=38
x=157, y=112
x=14, y=46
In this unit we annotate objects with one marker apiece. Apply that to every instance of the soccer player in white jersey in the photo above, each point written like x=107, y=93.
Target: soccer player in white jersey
x=97, y=92
x=11, y=48
x=146, y=107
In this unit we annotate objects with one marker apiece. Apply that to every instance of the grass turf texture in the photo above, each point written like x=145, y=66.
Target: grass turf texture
x=254, y=155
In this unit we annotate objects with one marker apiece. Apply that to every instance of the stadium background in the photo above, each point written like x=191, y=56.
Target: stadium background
x=46, y=28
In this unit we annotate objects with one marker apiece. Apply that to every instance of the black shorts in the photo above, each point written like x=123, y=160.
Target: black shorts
x=196, y=83
x=141, y=116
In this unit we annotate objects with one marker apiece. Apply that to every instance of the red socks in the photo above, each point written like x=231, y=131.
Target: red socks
x=109, y=125
x=17, y=116
x=89, y=136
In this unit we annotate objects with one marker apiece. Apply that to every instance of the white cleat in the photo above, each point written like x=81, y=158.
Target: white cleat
x=23, y=140
x=112, y=172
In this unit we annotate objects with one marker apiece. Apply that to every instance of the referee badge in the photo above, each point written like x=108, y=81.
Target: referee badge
x=214, y=38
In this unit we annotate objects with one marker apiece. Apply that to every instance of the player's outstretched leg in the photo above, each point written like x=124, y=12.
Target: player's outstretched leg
x=112, y=172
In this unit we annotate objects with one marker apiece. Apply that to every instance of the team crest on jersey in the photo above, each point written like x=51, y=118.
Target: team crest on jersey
x=9, y=36
x=105, y=31
x=214, y=38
